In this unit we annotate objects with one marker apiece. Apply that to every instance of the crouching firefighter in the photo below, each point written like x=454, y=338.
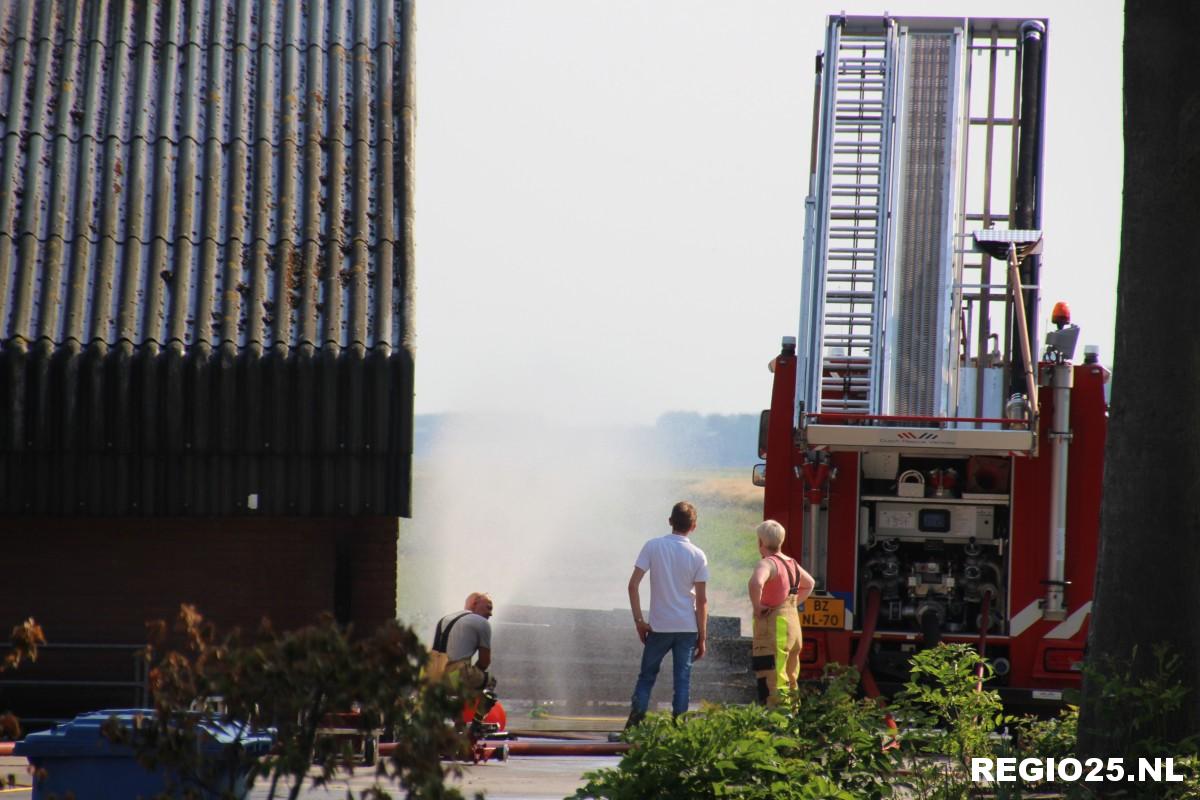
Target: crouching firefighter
x=777, y=586
x=459, y=636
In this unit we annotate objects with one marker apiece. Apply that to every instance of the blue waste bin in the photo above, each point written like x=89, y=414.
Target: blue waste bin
x=78, y=758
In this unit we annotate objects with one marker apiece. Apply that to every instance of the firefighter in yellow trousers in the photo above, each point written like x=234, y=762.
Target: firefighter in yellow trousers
x=777, y=586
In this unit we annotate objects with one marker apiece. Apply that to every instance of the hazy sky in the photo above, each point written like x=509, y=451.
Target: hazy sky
x=610, y=195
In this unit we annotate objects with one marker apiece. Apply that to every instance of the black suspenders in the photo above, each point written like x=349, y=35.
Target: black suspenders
x=793, y=578
x=441, y=638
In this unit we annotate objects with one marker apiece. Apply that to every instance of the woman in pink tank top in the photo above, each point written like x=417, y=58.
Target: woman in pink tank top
x=777, y=586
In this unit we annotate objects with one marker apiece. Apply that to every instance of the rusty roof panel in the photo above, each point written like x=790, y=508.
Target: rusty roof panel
x=200, y=201
x=218, y=171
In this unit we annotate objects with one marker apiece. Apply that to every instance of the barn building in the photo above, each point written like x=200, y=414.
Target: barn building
x=206, y=366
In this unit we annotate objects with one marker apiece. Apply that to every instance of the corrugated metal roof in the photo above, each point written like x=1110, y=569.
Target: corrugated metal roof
x=223, y=180
x=200, y=172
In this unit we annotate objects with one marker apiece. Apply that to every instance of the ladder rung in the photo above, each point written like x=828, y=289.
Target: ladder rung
x=851, y=296
x=856, y=187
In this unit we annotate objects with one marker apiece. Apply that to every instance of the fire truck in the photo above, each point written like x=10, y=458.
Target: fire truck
x=937, y=466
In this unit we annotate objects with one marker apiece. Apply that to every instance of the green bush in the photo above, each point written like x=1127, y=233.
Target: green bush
x=948, y=718
x=943, y=706
x=1140, y=706
x=824, y=743
x=1046, y=738
x=289, y=683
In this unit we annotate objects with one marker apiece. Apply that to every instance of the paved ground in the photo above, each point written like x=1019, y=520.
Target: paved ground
x=519, y=778
x=14, y=772
x=529, y=777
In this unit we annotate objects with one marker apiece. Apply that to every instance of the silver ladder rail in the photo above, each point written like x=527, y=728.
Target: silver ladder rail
x=843, y=325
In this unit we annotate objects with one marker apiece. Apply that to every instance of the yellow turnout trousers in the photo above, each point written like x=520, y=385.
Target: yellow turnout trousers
x=775, y=657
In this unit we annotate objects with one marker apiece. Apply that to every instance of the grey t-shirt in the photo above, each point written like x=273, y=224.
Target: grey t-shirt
x=468, y=635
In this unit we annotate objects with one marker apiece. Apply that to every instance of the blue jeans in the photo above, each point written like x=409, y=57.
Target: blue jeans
x=681, y=646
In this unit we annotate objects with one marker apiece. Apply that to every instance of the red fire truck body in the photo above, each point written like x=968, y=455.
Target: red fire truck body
x=938, y=484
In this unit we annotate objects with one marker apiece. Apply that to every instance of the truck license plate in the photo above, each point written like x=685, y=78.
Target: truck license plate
x=823, y=612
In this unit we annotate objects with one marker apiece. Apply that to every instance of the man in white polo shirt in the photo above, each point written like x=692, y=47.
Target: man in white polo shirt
x=678, y=618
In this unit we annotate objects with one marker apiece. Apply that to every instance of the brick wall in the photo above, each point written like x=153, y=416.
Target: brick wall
x=92, y=580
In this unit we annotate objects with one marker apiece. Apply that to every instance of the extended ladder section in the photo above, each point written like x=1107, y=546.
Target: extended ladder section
x=844, y=329
x=884, y=320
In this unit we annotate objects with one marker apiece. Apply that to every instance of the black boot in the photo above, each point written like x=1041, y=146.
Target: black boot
x=635, y=719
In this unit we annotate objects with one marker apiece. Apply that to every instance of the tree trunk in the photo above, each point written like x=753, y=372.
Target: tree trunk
x=1147, y=586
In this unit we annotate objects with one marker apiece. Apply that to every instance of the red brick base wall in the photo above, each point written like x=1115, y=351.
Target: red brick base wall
x=92, y=580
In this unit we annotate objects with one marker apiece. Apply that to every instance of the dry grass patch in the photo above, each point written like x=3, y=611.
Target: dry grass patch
x=732, y=490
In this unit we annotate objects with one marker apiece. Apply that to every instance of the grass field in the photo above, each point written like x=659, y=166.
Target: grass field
x=729, y=508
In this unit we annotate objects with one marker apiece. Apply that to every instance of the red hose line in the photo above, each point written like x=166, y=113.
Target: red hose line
x=869, y=684
x=864, y=643
x=567, y=748
x=592, y=748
